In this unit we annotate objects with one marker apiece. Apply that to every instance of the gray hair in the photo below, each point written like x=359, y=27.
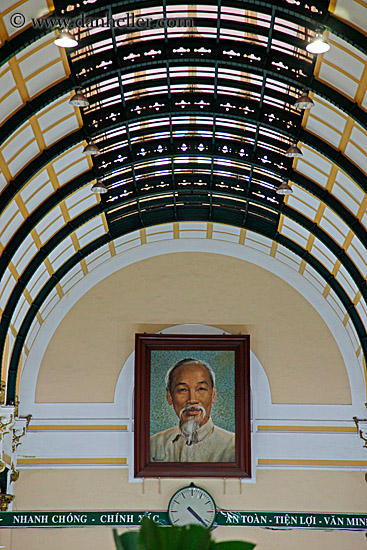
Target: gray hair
x=188, y=361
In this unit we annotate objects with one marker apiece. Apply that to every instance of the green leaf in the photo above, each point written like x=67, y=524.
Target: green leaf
x=149, y=535
x=233, y=545
x=127, y=541
x=171, y=538
x=192, y=537
x=116, y=538
x=195, y=537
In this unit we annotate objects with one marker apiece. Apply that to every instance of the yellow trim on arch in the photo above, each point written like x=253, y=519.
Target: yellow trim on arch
x=332, y=6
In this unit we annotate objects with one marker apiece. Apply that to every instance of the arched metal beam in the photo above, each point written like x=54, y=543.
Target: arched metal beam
x=334, y=156
x=252, y=59
x=267, y=118
x=72, y=139
x=67, y=189
x=56, y=277
x=48, y=155
x=237, y=218
x=69, y=84
x=35, y=105
x=255, y=67
x=296, y=12
x=94, y=73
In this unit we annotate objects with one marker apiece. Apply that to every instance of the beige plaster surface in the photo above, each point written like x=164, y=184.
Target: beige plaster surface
x=294, y=345
x=109, y=489
x=309, y=491
x=102, y=539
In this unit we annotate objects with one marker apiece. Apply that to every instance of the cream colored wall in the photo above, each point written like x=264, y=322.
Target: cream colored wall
x=294, y=345
x=102, y=539
x=89, y=347
x=312, y=491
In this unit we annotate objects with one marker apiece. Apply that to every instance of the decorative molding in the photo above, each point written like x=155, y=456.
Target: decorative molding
x=294, y=279
x=284, y=436
x=6, y=423
x=12, y=430
x=5, y=500
x=361, y=425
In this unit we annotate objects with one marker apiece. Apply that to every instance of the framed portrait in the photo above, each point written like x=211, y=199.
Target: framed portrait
x=192, y=406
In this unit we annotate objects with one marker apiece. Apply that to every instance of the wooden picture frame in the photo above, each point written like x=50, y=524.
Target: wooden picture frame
x=229, y=356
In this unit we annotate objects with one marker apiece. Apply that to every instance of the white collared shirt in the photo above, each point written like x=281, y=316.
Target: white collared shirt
x=213, y=444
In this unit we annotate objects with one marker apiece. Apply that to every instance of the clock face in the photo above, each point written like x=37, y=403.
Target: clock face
x=191, y=505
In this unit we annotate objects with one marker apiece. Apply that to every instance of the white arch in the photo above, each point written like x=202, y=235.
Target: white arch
x=298, y=282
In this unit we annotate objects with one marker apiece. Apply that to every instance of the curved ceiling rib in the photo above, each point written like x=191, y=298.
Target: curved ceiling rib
x=308, y=138
x=236, y=133
x=98, y=76
x=304, y=182
x=57, y=276
x=234, y=220
x=46, y=156
x=294, y=176
x=193, y=125
x=86, y=178
x=302, y=13
x=79, y=135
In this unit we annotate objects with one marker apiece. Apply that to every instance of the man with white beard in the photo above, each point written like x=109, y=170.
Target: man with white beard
x=190, y=387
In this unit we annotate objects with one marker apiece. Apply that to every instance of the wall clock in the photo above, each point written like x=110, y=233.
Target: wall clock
x=192, y=505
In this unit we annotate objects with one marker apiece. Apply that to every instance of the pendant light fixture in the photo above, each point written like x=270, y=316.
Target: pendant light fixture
x=304, y=102
x=65, y=39
x=294, y=151
x=284, y=188
x=318, y=44
x=79, y=99
x=99, y=187
x=91, y=149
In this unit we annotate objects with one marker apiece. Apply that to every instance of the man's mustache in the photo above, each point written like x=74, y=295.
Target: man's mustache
x=190, y=408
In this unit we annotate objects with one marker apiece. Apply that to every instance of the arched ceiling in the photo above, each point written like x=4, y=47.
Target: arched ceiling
x=193, y=123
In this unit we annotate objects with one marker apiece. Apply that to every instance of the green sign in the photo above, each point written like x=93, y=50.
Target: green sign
x=78, y=519
x=293, y=520
x=274, y=520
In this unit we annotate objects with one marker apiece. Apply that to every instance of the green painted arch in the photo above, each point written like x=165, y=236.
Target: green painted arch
x=66, y=190
x=76, y=137
x=26, y=324
x=98, y=209
x=297, y=14
x=70, y=83
x=332, y=96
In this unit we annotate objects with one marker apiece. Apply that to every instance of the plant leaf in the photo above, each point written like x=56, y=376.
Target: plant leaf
x=189, y=537
x=233, y=545
x=195, y=537
x=116, y=538
x=149, y=535
x=154, y=537
x=127, y=541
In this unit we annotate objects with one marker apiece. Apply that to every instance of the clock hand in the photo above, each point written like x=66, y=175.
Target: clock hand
x=196, y=515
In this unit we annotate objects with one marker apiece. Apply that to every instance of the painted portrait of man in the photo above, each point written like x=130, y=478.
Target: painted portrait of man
x=191, y=392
